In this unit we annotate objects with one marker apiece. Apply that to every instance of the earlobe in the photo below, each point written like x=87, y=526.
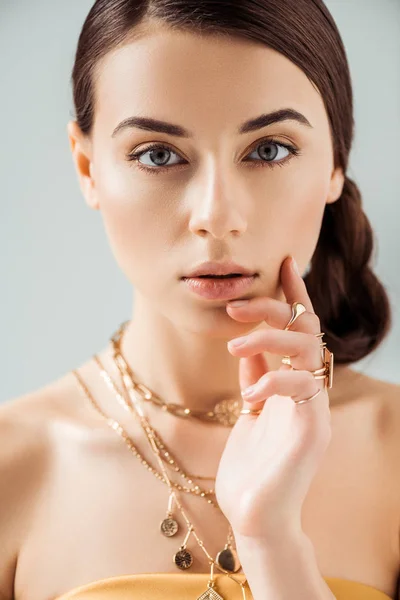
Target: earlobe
x=336, y=185
x=81, y=153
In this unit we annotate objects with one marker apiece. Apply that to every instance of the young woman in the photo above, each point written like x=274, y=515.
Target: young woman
x=214, y=139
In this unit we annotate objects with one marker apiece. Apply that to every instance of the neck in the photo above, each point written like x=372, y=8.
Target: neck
x=191, y=368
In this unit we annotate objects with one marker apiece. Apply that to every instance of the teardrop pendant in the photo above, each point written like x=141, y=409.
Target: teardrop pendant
x=228, y=560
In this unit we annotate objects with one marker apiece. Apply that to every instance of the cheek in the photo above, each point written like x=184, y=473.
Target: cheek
x=295, y=204
x=303, y=220
x=135, y=219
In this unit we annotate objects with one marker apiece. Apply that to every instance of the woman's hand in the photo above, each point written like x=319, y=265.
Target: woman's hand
x=270, y=460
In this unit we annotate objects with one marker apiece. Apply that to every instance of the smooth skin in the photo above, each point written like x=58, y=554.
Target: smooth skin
x=221, y=202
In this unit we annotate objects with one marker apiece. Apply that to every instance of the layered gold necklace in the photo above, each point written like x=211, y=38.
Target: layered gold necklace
x=226, y=412
x=132, y=398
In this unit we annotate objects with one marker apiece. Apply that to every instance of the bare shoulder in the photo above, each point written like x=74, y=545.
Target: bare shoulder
x=384, y=396
x=23, y=456
x=28, y=428
x=368, y=410
x=389, y=414
x=387, y=397
x=380, y=400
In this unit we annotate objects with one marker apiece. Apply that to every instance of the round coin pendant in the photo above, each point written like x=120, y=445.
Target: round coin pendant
x=183, y=559
x=228, y=560
x=227, y=412
x=169, y=527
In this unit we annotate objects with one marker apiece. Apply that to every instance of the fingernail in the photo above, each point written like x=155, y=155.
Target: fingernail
x=238, y=303
x=238, y=342
x=249, y=391
x=295, y=267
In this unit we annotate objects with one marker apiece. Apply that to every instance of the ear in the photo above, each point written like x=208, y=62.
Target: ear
x=336, y=185
x=80, y=145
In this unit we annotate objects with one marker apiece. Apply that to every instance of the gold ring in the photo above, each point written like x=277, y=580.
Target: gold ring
x=325, y=372
x=308, y=399
x=249, y=411
x=297, y=309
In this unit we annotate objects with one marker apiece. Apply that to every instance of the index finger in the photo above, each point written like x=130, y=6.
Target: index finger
x=293, y=286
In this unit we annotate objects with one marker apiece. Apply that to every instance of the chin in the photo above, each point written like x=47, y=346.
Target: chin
x=211, y=321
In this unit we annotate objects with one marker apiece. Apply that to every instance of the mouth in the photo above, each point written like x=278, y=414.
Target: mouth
x=216, y=276
x=220, y=287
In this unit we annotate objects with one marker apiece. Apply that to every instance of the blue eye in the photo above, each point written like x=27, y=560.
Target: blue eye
x=159, y=154
x=270, y=151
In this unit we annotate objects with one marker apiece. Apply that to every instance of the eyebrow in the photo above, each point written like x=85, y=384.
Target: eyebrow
x=149, y=124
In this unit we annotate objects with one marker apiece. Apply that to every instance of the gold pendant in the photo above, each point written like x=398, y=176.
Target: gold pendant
x=210, y=594
x=227, y=412
x=228, y=560
x=169, y=527
x=183, y=559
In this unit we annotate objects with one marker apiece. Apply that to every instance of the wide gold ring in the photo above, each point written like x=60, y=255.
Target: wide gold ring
x=325, y=372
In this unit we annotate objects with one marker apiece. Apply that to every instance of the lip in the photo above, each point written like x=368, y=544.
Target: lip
x=214, y=268
x=220, y=289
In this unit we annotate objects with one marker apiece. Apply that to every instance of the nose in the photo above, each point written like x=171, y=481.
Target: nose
x=218, y=207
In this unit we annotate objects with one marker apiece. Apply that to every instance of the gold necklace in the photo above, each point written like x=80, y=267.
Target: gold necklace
x=226, y=412
x=122, y=433
x=169, y=527
x=167, y=455
x=227, y=559
x=226, y=556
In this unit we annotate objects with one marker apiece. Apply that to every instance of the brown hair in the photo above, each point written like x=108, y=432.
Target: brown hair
x=350, y=301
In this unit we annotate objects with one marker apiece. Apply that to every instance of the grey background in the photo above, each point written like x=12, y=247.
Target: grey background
x=62, y=294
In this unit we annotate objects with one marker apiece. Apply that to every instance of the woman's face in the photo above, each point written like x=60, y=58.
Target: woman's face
x=214, y=194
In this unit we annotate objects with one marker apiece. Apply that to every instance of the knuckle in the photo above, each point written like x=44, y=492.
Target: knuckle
x=268, y=379
x=270, y=382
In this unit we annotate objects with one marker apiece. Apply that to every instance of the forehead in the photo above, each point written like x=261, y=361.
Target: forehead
x=202, y=80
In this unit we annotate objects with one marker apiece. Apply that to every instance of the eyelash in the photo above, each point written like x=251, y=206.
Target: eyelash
x=134, y=157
